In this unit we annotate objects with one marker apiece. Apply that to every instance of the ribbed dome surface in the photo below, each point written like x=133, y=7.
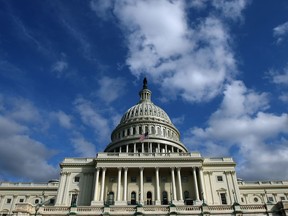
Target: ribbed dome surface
x=145, y=110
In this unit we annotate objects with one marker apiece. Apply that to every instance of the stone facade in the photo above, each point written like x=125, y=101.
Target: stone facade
x=146, y=170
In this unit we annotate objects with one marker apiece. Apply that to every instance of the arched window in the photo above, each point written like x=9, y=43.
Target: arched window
x=133, y=198
x=149, y=198
x=164, y=198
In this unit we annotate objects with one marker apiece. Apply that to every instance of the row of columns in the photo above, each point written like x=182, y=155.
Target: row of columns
x=158, y=197
x=152, y=129
x=159, y=148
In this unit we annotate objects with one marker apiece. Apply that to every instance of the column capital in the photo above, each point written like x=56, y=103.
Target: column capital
x=141, y=168
x=97, y=168
x=178, y=168
x=172, y=168
x=125, y=168
x=119, y=168
x=157, y=168
x=103, y=169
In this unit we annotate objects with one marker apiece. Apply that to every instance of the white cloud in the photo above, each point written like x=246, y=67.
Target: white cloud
x=280, y=32
x=21, y=156
x=110, y=88
x=102, y=8
x=59, y=67
x=279, y=77
x=63, y=119
x=83, y=147
x=192, y=60
x=91, y=117
x=241, y=127
x=178, y=120
x=230, y=9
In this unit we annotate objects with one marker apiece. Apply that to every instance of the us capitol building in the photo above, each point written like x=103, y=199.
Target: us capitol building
x=145, y=170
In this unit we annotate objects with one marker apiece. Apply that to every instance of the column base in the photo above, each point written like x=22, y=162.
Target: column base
x=178, y=202
x=197, y=202
x=157, y=202
x=97, y=203
x=120, y=203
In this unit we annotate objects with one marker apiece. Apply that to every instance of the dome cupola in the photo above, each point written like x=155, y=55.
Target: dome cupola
x=145, y=127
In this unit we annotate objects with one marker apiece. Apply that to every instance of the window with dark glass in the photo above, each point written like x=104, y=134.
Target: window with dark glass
x=74, y=200
x=21, y=200
x=220, y=178
x=148, y=179
x=8, y=200
x=77, y=179
x=52, y=201
x=223, y=198
x=133, y=179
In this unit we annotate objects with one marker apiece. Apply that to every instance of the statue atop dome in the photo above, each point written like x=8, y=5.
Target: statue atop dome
x=145, y=83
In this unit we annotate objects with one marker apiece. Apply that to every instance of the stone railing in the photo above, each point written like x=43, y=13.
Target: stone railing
x=146, y=154
x=149, y=210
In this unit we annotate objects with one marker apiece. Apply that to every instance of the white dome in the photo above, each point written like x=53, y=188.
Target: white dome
x=145, y=118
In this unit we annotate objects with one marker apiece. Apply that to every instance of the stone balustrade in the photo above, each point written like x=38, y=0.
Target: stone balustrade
x=26, y=208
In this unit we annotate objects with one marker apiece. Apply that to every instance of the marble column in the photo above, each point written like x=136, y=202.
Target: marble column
x=158, y=200
x=195, y=183
x=179, y=184
x=103, y=184
x=173, y=184
x=119, y=184
x=125, y=184
x=203, y=191
x=141, y=185
x=96, y=184
x=60, y=191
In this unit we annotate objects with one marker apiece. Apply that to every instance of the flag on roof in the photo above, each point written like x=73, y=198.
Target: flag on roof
x=144, y=136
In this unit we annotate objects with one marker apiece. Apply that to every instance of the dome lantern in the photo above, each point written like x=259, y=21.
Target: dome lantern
x=145, y=93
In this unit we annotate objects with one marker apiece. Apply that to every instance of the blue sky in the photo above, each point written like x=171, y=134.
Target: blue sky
x=70, y=69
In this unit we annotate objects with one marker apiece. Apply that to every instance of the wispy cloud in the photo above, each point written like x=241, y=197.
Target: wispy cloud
x=280, y=78
x=83, y=147
x=110, y=88
x=192, y=60
x=93, y=118
x=63, y=119
x=280, y=32
x=59, y=67
x=242, y=127
x=16, y=117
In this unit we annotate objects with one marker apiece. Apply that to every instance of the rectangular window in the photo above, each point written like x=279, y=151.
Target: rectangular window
x=163, y=179
x=74, y=200
x=77, y=179
x=223, y=198
x=270, y=199
x=282, y=198
x=21, y=200
x=133, y=179
x=148, y=179
x=8, y=200
x=51, y=201
x=219, y=178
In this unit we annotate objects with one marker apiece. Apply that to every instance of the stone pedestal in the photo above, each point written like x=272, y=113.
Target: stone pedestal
x=97, y=203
